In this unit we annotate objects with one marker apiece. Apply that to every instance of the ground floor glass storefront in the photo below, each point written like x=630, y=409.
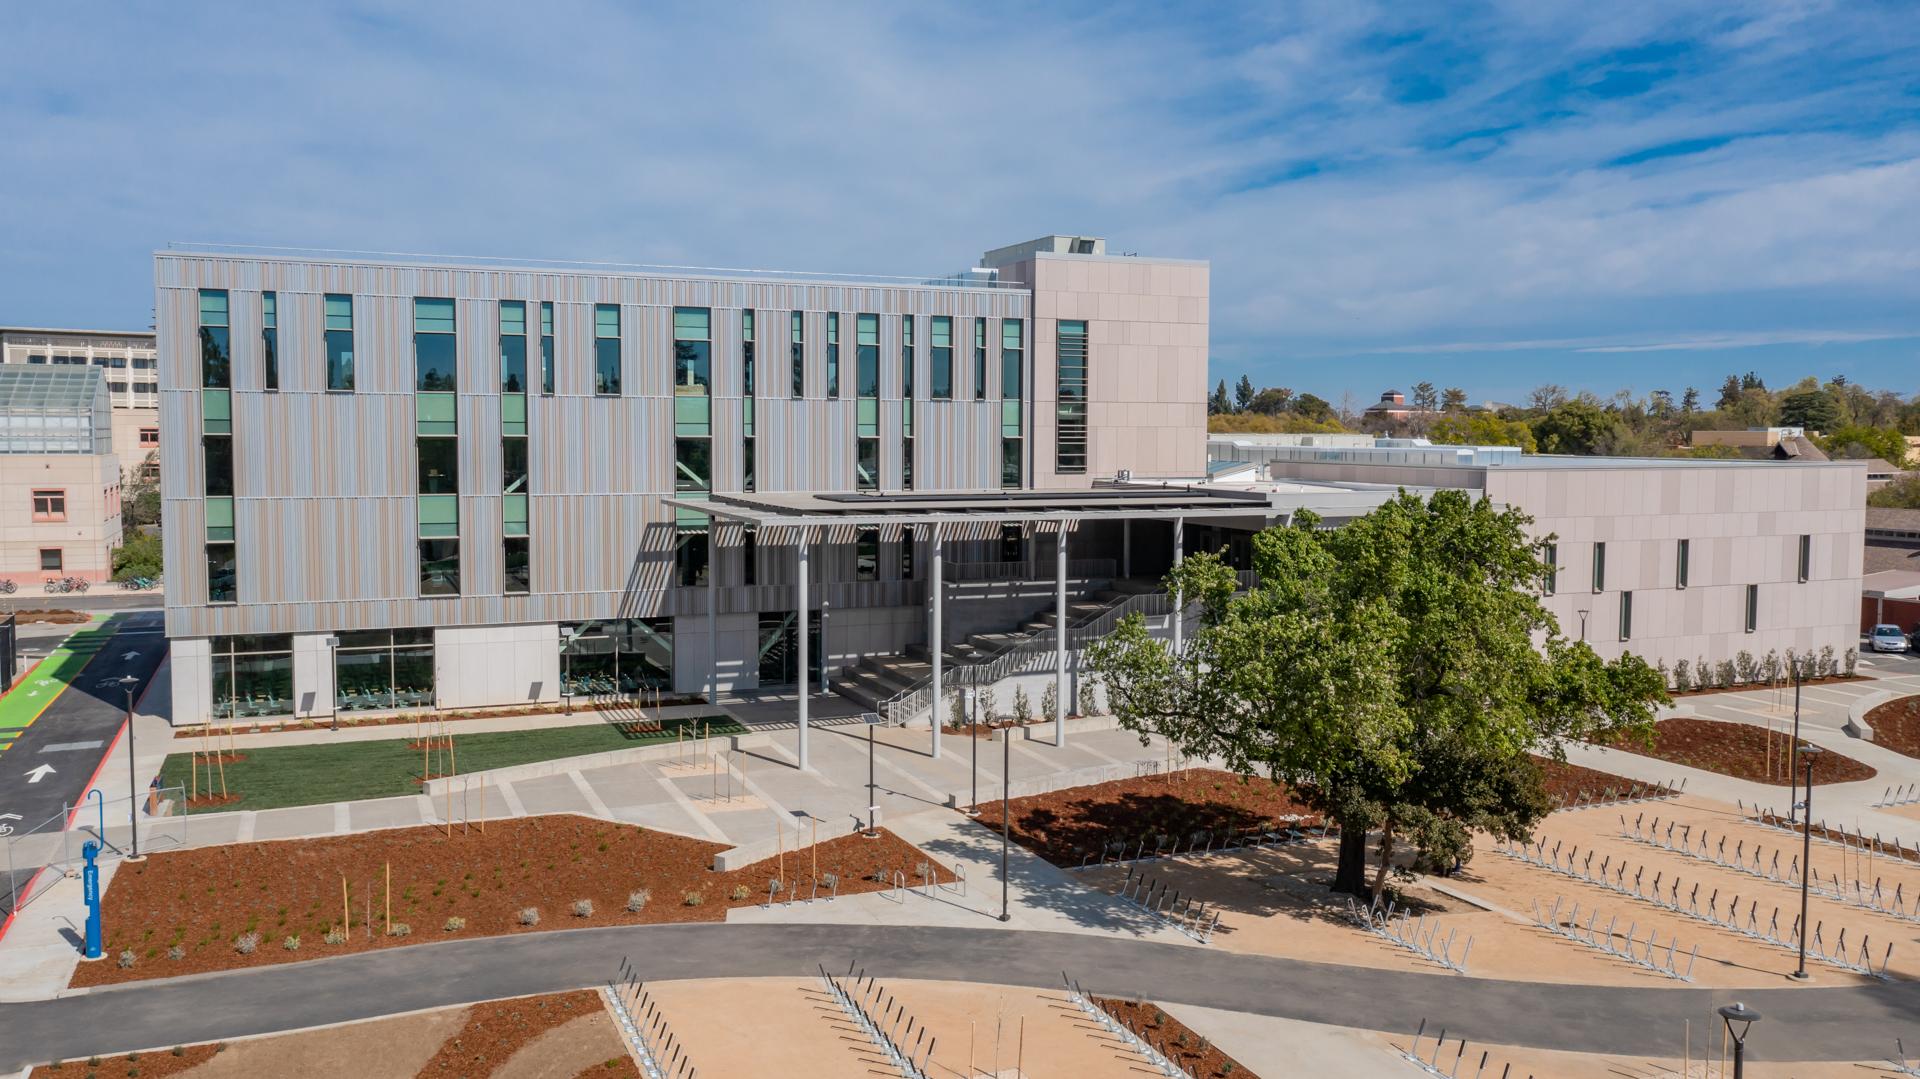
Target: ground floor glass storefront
x=616, y=657
x=779, y=648
x=383, y=669
x=252, y=676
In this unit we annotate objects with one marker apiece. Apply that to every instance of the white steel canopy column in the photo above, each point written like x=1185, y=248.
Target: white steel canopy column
x=1179, y=601
x=805, y=681
x=1060, y=636
x=936, y=641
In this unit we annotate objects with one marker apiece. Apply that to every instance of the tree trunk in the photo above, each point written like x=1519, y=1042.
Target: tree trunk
x=1350, y=873
x=1386, y=860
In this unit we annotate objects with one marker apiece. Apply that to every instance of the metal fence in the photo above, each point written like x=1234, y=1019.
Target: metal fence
x=39, y=856
x=9, y=652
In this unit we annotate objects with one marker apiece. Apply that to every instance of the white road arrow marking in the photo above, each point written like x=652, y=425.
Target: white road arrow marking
x=130, y=655
x=40, y=773
x=9, y=816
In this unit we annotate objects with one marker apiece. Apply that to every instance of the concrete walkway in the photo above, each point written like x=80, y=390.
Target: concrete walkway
x=1802, y=1024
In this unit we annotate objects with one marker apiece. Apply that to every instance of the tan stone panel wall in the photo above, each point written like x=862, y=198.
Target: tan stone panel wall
x=88, y=534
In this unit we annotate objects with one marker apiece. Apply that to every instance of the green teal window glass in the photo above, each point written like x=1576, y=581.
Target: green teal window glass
x=434, y=345
x=339, y=341
x=833, y=354
x=606, y=349
x=1070, y=411
x=513, y=413
x=1753, y=607
x=941, y=359
x=434, y=414
x=1626, y=616
x=216, y=347
x=1013, y=359
x=439, y=466
x=692, y=350
x=979, y=359
x=866, y=356
x=439, y=515
x=1599, y=567
x=747, y=451
x=219, y=519
x=219, y=465
x=546, y=347
x=513, y=514
x=1680, y=564
x=906, y=464
x=797, y=334
x=439, y=567
x=513, y=346
x=1550, y=554
x=519, y=565
x=216, y=412
x=270, y=339
x=746, y=354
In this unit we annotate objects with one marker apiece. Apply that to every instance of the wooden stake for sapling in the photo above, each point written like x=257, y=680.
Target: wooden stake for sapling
x=346, y=907
x=389, y=897
x=223, y=775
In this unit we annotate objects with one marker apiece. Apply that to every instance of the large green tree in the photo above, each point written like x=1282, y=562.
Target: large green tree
x=1853, y=442
x=1578, y=427
x=1814, y=410
x=1395, y=672
x=1481, y=429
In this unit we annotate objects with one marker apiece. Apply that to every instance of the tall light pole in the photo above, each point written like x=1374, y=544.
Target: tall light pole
x=127, y=682
x=973, y=732
x=1806, y=859
x=1746, y=1017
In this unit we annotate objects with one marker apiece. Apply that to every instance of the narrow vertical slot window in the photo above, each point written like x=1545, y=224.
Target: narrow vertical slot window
x=797, y=351
x=940, y=373
x=606, y=349
x=339, y=341
x=1072, y=364
x=546, y=346
x=270, y=340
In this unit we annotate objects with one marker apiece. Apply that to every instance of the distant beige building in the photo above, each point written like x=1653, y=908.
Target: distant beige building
x=131, y=368
x=59, y=478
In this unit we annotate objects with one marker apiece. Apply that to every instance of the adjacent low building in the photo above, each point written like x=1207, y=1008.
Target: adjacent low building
x=131, y=366
x=59, y=478
x=1671, y=558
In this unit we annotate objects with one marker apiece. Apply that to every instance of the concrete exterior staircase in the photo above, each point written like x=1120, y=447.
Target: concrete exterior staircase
x=876, y=679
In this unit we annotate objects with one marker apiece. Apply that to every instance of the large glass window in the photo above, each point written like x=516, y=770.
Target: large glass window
x=1070, y=457
x=980, y=359
x=866, y=362
x=433, y=345
x=690, y=556
x=692, y=350
x=1013, y=359
x=383, y=669
x=439, y=466
x=866, y=554
x=519, y=569
x=866, y=464
x=616, y=657
x=906, y=402
x=797, y=336
x=269, y=339
x=339, y=341
x=692, y=465
x=941, y=359
x=222, y=581
x=779, y=649
x=252, y=676
x=606, y=349
x=546, y=347
x=513, y=346
x=219, y=458
x=906, y=356
x=216, y=346
x=833, y=354
x=440, y=567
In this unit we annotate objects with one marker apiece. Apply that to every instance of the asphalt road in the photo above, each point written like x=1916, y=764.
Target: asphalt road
x=1802, y=1024
x=49, y=765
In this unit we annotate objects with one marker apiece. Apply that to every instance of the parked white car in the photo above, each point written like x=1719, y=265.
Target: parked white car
x=1886, y=638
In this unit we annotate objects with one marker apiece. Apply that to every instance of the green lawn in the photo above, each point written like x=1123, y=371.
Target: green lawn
x=347, y=771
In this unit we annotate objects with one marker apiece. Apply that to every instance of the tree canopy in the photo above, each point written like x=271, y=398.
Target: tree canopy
x=1576, y=427
x=1481, y=429
x=1395, y=672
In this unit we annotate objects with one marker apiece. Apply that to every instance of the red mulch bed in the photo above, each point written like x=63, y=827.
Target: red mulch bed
x=405, y=718
x=1201, y=1058
x=1064, y=826
x=1896, y=725
x=1566, y=782
x=1740, y=750
x=496, y=1030
x=203, y=899
x=152, y=1064
x=617, y=1068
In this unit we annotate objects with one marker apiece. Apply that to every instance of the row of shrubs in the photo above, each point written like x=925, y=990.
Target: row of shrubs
x=1745, y=670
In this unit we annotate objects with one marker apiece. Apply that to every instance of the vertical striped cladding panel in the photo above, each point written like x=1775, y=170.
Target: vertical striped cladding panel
x=352, y=445
x=477, y=324
x=247, y=355
x=311, y=550
x=303, y=361
x=383, y=344
x=572, y=347
x=481, y=461
x=482, y=561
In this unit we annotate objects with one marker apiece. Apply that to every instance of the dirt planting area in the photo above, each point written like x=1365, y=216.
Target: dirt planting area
x=556, y=1036
x=1567, y=782
x=1896, y=725
x=1065, y=826
x=1740, y=750
x=254, y=904
x=1199, y=1057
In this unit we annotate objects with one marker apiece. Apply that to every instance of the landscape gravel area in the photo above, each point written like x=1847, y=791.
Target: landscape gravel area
x=1740, y=750
x=1896, y=725
x=254, y=904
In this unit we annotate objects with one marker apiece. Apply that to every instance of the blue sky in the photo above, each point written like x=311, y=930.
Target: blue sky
x=1603, y=196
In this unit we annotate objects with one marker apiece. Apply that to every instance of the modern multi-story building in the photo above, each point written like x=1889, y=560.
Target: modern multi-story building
x=1670, y=558
x=401, y=484
x=132, y=378
x=59, y=478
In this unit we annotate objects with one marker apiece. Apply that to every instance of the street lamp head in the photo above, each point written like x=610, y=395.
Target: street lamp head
x=1741, y=1014
x=127, y=680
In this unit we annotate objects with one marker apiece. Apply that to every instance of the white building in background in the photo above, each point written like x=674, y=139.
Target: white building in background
x=129, y=363
x=1671, y=558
